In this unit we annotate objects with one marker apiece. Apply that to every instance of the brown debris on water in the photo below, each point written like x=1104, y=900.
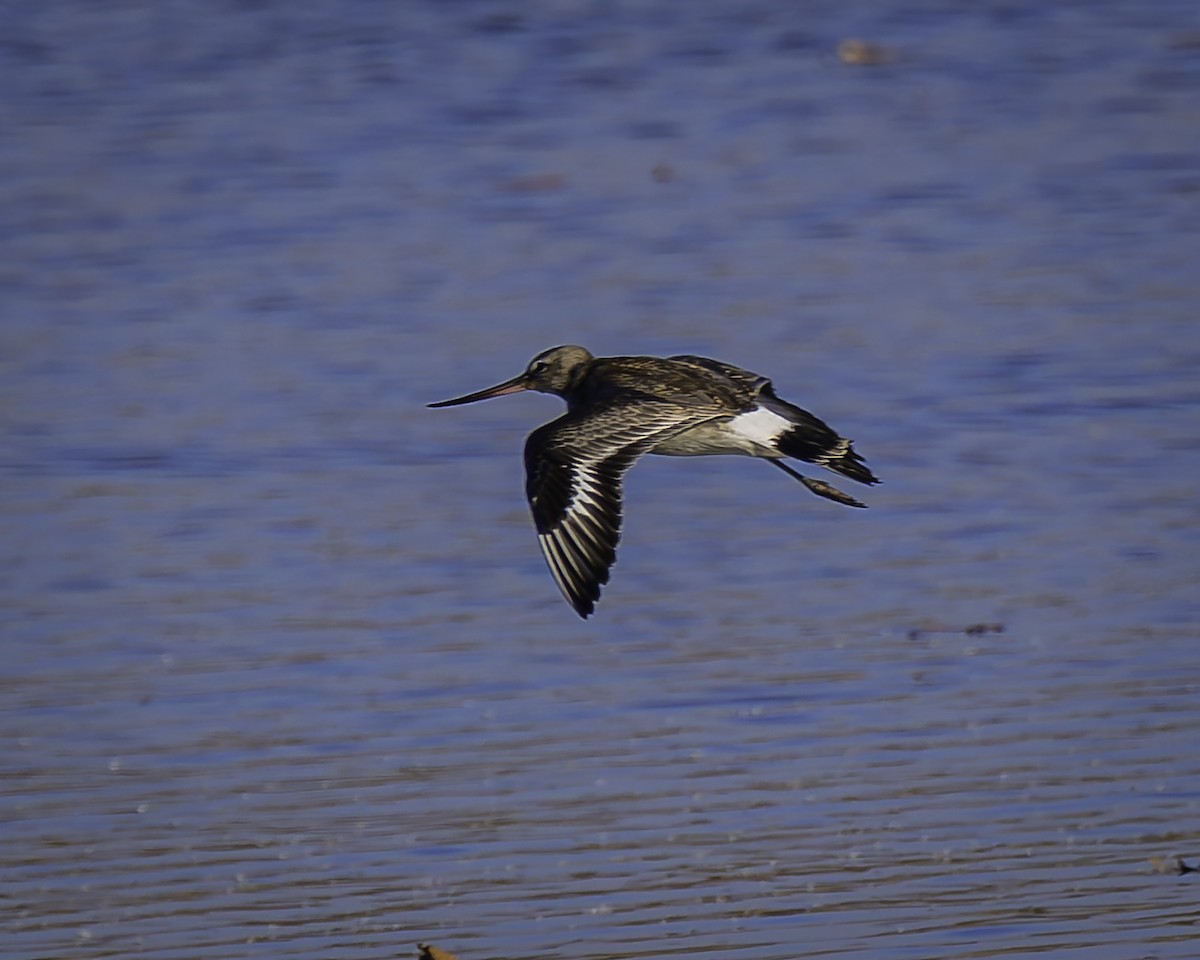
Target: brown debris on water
x=1173, y=865
x=426, y=951
x=863, y=53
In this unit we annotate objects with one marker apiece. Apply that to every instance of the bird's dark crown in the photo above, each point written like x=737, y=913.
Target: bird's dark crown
x=556, y=370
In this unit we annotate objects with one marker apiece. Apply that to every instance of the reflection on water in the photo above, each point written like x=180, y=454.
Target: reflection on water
x=283, y=670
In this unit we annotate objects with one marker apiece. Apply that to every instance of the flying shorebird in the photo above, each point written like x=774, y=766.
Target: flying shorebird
x=619, y=408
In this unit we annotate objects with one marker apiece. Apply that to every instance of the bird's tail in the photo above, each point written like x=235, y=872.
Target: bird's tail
x=814, y=441
x=844, y=459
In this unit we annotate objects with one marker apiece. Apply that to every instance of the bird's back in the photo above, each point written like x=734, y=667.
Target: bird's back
x=691, y=382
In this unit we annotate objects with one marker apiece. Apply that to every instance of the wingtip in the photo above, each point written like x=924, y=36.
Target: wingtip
x=584, y=606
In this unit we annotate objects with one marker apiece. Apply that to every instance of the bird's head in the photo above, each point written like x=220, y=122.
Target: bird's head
x=551, y=371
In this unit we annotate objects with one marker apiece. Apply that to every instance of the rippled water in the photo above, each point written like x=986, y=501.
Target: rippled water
x=284, y=673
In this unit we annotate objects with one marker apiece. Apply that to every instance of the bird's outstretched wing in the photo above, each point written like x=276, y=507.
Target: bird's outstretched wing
x=574, y=467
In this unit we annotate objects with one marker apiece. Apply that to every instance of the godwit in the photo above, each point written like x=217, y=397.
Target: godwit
x=619, y=408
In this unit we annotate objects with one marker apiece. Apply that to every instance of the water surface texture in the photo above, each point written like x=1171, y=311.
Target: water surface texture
x=283, y=672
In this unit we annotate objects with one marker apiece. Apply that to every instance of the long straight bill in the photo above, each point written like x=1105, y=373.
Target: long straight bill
x=515, y=385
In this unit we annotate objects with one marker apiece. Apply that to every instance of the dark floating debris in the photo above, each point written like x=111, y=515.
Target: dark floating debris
x=426, y=951
x=971, y=630
x=1188, y=40
x=1172, y=865
x=535, y=183
x=663, y=172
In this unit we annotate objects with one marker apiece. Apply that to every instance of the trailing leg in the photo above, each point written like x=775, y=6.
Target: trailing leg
x=819, y=487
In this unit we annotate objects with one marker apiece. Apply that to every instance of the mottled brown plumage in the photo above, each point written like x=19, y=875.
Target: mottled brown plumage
x=427, y=951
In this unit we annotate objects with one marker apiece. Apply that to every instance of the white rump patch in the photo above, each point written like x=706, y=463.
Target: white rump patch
x=760, y=426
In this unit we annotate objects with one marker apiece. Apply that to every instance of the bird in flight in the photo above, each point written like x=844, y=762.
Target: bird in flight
x=619, y=408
